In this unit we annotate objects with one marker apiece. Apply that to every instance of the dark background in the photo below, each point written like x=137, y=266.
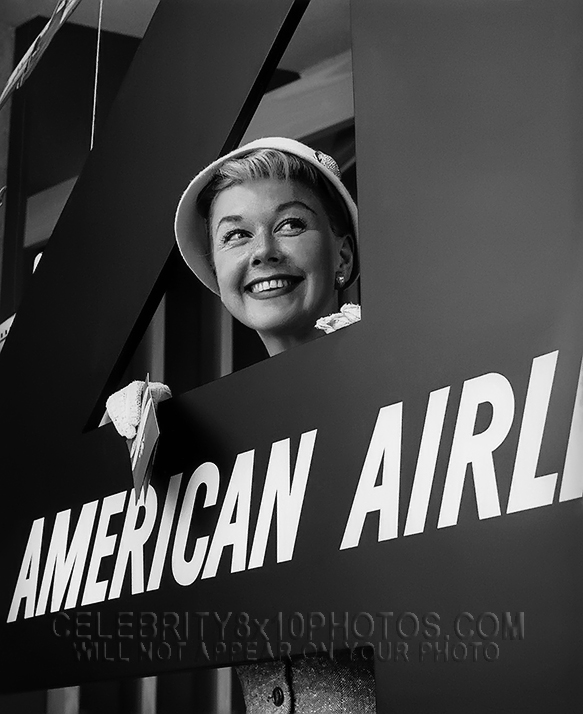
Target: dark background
x=468, y=134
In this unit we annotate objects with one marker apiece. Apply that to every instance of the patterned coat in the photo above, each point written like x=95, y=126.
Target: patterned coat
x=309, y=685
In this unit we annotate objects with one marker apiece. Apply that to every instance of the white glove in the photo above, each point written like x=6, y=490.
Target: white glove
x=124, y=407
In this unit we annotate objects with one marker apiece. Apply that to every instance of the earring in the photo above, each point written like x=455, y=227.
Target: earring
x=340, y=280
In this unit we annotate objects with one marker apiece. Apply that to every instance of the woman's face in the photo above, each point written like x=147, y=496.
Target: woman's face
x=276, y=258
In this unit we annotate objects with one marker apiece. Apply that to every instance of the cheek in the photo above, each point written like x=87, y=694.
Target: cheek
x=230, y=273
x=321, y=262
x=226, y=283
x=226, y=269
x=314, y=254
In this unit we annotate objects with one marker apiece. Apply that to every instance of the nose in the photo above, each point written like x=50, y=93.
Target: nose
x=265, y=249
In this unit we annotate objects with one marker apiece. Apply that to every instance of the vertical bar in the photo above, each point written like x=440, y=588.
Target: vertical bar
x=156, y=339
x=63, y=701
x=12, y=151
x=147, y=690
x=6, y=63
x=223, y=689
x=225, y=342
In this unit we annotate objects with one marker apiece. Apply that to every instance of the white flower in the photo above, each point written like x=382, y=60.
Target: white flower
x=348, y=314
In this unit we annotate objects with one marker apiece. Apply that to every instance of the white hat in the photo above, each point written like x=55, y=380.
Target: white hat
x=189, y=225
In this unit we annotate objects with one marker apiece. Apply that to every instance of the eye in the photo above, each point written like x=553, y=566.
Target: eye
x=236, y=235
x=291, y=226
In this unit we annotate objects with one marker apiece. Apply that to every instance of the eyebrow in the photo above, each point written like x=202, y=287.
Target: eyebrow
x=282, y=207
x=289, y=204
x=230, y=219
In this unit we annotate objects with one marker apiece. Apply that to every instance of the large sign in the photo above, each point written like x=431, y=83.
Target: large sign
x=407, y=488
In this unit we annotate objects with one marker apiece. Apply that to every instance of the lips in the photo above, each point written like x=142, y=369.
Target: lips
x=276, y=284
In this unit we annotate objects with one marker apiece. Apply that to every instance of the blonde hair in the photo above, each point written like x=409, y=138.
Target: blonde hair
x=276, y=164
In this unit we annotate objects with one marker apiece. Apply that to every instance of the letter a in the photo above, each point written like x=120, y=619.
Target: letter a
x=385, y=447
x=28, y=576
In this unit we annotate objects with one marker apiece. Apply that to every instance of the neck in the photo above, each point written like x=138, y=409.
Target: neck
x=280, y=343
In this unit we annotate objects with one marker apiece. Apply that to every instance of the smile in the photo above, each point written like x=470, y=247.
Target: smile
x=272, y=285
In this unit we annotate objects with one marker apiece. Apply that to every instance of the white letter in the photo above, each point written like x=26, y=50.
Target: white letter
x=28, y=576
x=572, y=483
x=528, y=490
x=132, y=543
x=186, y=571
x=229, y=532
x=64, y=568
x=289, y=499
x=477, y=449
x=425, y=470
x=104, y=545
x=385, y=446
x=164, y=532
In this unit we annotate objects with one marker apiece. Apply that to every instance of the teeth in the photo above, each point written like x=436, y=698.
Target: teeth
x=270, y=285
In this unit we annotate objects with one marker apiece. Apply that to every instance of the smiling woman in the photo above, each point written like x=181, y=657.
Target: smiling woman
x=275, y=258
x=272, y=230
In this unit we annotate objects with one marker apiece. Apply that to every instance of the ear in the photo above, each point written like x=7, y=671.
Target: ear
x=345, y=255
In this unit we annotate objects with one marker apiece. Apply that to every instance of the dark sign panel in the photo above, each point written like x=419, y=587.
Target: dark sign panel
x=410, y=484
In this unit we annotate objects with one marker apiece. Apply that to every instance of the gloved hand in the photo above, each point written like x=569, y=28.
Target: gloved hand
x=123, y=407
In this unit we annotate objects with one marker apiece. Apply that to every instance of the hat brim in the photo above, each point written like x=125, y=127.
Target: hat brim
x=189, y=225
